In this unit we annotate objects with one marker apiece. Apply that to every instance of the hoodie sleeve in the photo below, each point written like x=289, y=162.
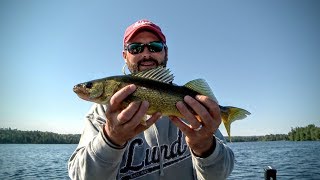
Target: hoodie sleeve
x=218, y=165
x=95, y=157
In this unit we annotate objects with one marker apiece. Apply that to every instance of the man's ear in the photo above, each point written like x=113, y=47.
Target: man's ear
x=124, y=55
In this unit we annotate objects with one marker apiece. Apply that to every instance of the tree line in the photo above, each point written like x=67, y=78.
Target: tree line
x=14, y=136
x=308, y=133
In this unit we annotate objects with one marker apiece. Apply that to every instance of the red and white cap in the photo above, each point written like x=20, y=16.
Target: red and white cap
x=143, y=24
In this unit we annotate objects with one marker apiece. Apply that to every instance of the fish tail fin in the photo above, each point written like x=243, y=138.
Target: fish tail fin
x=227, y=125
x=230, y=114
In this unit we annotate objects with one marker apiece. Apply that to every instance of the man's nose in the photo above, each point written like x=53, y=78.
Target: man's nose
x=146, y=53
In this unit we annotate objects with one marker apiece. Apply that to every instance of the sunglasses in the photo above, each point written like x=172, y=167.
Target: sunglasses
x=136, y=48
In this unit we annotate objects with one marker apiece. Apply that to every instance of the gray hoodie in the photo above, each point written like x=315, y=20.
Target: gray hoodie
x=160, y=152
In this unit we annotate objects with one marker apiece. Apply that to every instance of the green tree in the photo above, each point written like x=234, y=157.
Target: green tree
x=308, y=133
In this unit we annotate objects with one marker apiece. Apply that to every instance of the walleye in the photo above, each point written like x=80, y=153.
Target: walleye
x=155, y=86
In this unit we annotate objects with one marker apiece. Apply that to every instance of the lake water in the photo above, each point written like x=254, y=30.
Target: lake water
x=293, y=160
x=34, y=161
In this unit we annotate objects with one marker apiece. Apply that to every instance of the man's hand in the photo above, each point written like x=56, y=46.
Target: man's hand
x=124, y=124
x=199, y=134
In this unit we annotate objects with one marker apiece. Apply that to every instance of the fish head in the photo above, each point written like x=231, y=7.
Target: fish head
x=89, y=91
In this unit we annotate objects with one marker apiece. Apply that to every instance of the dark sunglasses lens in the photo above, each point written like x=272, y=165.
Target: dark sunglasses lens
x=135, y=48
x=155, y=46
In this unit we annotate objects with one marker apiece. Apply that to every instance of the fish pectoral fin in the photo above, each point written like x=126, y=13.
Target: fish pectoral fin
x=144, y=120
x=202, y=87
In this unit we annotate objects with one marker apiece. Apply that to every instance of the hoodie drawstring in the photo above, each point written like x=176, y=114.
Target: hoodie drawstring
x=160, y=153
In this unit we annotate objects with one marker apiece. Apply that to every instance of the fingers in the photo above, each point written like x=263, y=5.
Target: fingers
x=205, y=113
x=153, y=119
x=212, y=108
x=189, y=116
x=149, y=122
x=124, y=124
x=182, y=126
x=204, y=109
x=120, y=95
x=127, y=114
x=200, y=110
x=135, y=120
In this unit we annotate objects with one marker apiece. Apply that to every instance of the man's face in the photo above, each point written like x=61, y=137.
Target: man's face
x=146, y=59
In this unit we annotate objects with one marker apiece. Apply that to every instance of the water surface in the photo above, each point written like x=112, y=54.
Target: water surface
x=34, y=161
x=293, y=160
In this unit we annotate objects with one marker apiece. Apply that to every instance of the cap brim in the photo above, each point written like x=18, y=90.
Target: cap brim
x=146, y=27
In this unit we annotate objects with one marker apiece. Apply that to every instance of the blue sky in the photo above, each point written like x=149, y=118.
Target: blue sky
x=263, y=56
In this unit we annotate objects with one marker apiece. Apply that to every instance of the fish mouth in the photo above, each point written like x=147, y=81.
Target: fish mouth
x=81, y=91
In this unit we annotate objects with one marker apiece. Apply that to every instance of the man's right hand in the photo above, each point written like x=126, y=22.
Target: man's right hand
x=124, y=124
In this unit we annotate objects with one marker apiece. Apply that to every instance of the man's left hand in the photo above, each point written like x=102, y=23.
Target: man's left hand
x=202, y=126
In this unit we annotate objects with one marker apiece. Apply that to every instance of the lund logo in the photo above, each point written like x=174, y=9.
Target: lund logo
x=173, y=153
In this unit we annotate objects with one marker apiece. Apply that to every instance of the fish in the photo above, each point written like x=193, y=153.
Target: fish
x=155, y=86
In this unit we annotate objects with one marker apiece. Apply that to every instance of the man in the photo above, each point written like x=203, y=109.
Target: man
x=115, y=145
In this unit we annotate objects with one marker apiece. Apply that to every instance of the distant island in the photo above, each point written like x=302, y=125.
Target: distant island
x=14, y=136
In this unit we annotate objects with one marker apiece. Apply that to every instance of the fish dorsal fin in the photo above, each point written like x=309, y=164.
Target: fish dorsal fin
x=159, y=73
x=202, y=87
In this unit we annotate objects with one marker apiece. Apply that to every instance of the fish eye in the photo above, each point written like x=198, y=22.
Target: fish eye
x=89, y=85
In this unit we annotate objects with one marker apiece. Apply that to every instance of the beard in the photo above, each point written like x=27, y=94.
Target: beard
x=134, y=68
